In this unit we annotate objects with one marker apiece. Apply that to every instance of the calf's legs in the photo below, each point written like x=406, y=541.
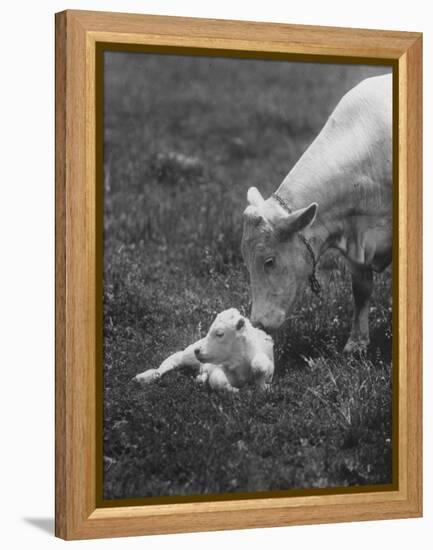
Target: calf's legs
x=178, y=360
x=218, y=381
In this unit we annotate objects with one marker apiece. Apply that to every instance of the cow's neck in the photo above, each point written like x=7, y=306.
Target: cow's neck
x=327, y=229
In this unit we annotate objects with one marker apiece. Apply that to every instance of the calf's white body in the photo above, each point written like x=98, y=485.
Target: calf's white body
x=232, y=355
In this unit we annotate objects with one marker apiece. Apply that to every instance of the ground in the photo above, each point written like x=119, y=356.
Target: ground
x=184, y=139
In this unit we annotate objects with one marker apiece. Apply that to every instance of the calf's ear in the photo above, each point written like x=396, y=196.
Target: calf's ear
x=254, y=197
x=296, y=221
x=240, y=323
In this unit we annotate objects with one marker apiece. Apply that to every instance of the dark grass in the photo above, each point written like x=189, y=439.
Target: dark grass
x=184, y=139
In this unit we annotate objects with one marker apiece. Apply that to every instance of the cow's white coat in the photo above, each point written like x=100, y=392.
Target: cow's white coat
x=340, y=194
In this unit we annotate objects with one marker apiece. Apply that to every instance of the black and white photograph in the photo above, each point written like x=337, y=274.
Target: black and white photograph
x=247, y=289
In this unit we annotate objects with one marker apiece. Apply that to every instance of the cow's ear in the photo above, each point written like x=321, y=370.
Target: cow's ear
x=252, y=216
x=254, y=197
x=296, y=221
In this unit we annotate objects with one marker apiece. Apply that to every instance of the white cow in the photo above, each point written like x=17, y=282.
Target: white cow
x=339, y=195
x=232, y=355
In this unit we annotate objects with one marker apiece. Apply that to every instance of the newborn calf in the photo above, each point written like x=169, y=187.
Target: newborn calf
x=233, y=354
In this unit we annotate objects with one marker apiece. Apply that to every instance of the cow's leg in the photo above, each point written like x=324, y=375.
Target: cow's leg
x=362, y=286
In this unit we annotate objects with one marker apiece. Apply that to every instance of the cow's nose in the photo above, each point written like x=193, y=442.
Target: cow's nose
x=197, y=352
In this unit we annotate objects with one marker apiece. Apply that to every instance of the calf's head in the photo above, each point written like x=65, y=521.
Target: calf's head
x=225, y=339
x=276, y=258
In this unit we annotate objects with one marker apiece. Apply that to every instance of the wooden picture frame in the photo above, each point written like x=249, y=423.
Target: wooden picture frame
x=79, y=34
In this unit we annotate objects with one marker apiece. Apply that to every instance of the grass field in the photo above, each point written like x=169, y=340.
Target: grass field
x=184, y=139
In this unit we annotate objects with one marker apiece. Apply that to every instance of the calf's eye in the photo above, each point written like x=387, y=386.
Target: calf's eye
x=219, y=333
x=269, y=262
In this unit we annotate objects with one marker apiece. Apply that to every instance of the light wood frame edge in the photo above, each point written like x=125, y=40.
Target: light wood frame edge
x=76, y=514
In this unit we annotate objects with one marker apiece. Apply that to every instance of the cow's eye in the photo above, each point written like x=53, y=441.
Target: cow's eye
x=269, y=262
x=219, y=333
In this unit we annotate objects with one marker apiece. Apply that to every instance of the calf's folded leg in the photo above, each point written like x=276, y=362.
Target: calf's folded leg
x=219, y=381
x=263, y=370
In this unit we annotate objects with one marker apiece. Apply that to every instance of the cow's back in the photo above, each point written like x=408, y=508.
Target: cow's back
x=350, y=161
x=361, y=124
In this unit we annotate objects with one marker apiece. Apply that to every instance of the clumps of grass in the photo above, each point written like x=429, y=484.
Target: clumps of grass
x=355, y=397
x=320, y=425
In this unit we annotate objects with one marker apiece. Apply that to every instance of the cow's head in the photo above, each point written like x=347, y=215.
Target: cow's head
x=276, y=258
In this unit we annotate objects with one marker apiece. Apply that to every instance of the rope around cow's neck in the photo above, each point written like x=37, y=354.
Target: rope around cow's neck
x=314, y=283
